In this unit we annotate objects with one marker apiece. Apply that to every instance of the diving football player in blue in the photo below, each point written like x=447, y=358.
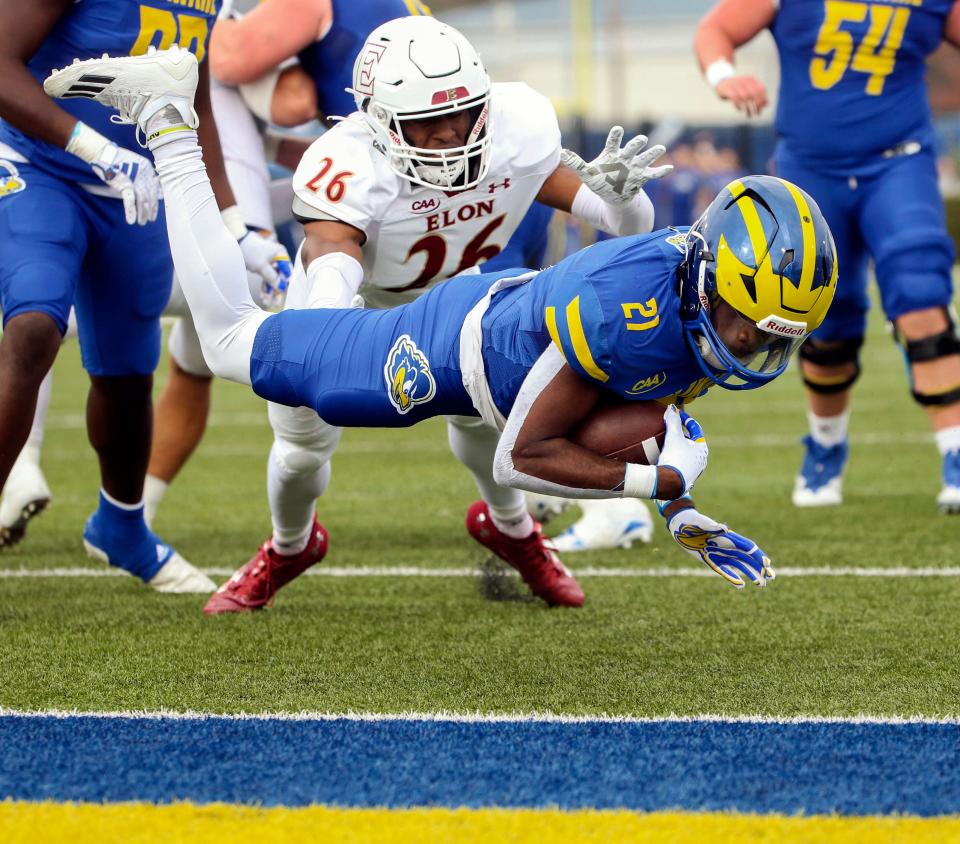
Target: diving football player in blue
x=81, y=224
x=663, y=316
x=855, y=132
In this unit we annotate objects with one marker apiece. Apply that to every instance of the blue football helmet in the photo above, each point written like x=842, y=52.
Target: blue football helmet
x=763, y=247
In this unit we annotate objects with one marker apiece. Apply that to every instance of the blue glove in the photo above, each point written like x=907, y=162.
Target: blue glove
x=734, y=557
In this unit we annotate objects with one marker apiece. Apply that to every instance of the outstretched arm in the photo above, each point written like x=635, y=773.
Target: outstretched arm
x=728, y=25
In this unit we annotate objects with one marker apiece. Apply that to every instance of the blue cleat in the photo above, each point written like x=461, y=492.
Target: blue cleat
x=820, y=482
x=949, y=498
x=120, y=538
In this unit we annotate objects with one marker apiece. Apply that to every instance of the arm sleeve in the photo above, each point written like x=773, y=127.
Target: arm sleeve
x=504, y=472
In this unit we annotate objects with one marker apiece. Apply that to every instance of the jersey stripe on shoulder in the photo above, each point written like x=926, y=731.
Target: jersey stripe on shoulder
x=574, y=333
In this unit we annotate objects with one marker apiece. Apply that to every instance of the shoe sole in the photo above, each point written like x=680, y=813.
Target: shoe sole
x=11, y=535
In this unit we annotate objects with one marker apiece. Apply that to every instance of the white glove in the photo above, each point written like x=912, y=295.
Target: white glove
x=131, y=175
x=263, y=257
x=732, y=556
x=684, y=448
x=617, y=175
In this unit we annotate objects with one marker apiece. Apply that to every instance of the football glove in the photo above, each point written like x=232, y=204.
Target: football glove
x=617, y=175
x=263, y=257
x=129, y=174
x=269, y=260
x=684, y=448
x=734, y=557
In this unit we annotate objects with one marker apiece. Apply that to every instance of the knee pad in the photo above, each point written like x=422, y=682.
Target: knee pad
x=184, y=347
x=934, y=347
x=831, y=353
x=302, y=440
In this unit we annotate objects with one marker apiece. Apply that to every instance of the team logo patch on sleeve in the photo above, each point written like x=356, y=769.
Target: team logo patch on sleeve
x=10, y=180
x=408, y=376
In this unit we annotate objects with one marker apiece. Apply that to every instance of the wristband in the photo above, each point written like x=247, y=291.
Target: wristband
x=233, y=220
x=719, y=70
x=639, y=481
x=86, y=143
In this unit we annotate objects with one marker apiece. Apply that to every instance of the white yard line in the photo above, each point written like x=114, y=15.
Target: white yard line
x=490, y=718
x=468, y=571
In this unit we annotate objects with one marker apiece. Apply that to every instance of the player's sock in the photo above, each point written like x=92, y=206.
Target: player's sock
x=35, y=439
x=292, y=494
x=474, y=445
x=154, y=489
x=517, y=525
x=948, y=439
x=167, y=134
x=119, y=531
x=207, y=258
x=829, y=431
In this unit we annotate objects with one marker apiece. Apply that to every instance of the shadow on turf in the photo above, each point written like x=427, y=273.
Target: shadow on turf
x=499, y=582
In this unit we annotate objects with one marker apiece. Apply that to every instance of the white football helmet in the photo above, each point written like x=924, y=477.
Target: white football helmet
x=417, y=68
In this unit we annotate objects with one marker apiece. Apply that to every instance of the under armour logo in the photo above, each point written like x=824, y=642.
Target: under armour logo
x=504, y=184
x=616, y=175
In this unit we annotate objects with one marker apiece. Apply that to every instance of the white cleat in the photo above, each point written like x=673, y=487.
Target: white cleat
x=25, y=495
x=828, y=495
x=948, y=500
x=136, y=86
x=543, y=508
x=177, y=576
x=612, y=523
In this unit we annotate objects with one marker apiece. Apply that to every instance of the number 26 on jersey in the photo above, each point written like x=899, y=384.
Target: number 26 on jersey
x=332, y=186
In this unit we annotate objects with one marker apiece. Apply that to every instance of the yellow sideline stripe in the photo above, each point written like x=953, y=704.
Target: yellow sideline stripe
x=133, y=823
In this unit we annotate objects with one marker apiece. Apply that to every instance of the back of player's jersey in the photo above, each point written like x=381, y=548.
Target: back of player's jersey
x=852, y=75
x=329, y=61
x=119, y=28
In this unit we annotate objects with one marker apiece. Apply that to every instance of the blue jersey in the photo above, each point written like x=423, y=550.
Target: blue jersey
x=329, y=61
x=117, y=27
x=852, y=76
x=612, y=309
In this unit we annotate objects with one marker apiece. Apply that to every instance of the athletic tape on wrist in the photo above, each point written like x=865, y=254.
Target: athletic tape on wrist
x=719, y=70
x=639, y=481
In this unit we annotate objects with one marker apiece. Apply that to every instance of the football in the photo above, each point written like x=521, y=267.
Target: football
x=632, y=431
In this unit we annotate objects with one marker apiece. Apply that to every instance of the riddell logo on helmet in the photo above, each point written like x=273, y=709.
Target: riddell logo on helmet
x=783, y=327
x=449, y=95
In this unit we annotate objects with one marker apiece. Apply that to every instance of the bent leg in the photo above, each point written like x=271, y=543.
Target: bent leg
x=298, y=471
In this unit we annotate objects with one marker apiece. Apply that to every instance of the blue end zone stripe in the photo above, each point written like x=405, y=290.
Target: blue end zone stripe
x=812, y=768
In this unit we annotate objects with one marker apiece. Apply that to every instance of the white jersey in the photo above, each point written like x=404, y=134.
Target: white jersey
x=419, y=236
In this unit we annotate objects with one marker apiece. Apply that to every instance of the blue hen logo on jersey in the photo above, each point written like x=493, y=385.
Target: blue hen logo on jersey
x=10, y=181
x=408, y=376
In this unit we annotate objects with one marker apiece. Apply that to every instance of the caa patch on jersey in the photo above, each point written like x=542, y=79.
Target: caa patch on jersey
x=408, y=376
x=10, y=181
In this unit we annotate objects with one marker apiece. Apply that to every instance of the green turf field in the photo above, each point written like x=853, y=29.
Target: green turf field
x=642, y=645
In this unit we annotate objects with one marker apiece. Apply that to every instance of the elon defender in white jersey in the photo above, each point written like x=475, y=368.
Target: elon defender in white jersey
x=429, y=178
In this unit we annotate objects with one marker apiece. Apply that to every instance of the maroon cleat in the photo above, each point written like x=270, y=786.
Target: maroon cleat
x=253, y=586
x=537, y=562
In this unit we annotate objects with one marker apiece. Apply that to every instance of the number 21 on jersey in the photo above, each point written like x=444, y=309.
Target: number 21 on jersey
x=876, y=54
